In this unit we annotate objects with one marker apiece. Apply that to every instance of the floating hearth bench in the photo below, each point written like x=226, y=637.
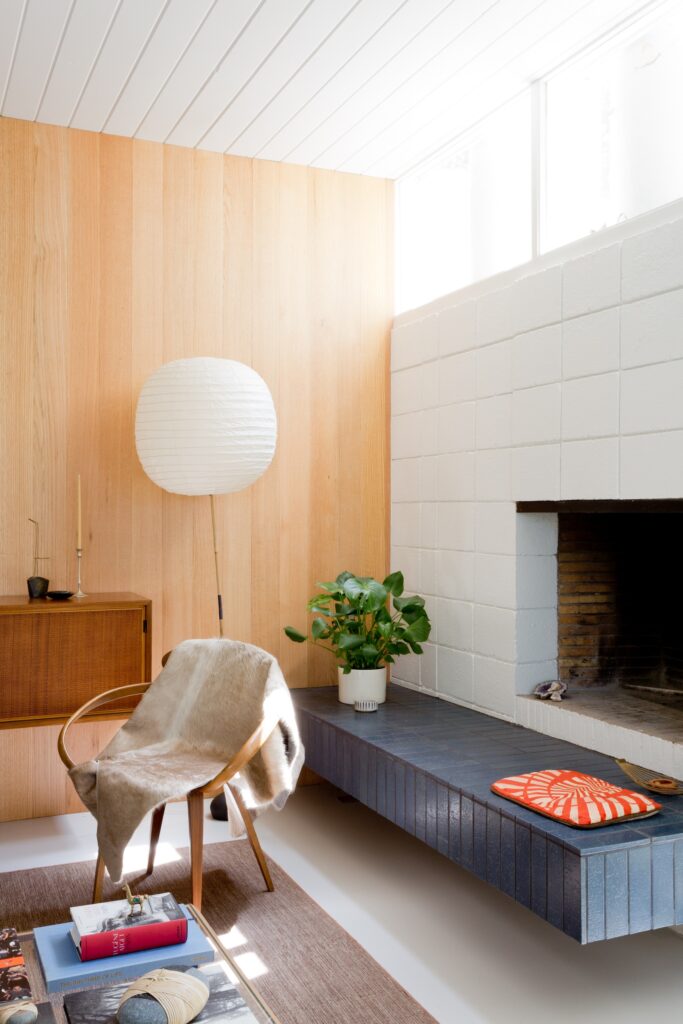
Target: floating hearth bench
x=427, y=766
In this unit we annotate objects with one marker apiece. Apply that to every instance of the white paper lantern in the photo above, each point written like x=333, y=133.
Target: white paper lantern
x=205, y=426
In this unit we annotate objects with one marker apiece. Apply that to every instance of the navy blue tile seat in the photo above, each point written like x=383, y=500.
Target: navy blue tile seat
x=427, y=766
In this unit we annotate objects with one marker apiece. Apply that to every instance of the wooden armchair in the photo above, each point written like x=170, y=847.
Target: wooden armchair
x=195, y=799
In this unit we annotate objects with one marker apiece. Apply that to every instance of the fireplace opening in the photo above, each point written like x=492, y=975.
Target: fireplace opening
x=620, y=577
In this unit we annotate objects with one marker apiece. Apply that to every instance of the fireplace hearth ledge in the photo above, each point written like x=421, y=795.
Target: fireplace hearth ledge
x=613, y=722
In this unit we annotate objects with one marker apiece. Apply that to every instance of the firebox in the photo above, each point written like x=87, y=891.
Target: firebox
x=620, y=585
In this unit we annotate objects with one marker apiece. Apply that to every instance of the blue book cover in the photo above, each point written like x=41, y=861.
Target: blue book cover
x=64, y=971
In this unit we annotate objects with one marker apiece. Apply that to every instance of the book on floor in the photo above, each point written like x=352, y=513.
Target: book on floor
x=110, y=929
x=14, y=983
x=10, y=947
x=225, y=1005
x=64, y=970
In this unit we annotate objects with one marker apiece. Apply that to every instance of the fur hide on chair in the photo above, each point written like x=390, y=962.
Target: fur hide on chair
x=203, y=706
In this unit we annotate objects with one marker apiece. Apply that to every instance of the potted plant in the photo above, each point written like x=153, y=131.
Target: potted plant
x=365, y=624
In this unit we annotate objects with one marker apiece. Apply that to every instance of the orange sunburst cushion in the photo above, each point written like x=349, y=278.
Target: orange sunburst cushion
x=574, y=798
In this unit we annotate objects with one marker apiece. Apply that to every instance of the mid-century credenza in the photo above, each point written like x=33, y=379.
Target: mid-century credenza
x=54, y=656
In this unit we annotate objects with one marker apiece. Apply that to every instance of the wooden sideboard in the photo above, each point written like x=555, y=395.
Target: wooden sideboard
x=54, y=656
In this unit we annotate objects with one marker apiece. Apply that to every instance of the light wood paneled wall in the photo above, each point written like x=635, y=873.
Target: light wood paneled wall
x=117, y=256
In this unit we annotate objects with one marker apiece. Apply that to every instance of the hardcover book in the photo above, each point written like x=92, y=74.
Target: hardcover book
x=225, y=1005
x=109, y=929
x=9, y=944
x=64, y=970
x=14, y=984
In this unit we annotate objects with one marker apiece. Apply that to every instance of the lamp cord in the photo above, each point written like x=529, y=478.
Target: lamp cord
x=215, y=558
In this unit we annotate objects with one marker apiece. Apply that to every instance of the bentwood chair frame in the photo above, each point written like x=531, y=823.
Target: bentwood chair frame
x=195, y=798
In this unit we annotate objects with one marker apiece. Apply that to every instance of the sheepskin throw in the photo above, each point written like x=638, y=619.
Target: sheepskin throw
x=203, y=706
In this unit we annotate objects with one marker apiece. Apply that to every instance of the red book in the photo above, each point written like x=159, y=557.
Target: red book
x=110, y=929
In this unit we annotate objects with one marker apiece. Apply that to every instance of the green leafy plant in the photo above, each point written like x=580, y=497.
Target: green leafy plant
x=365, y=623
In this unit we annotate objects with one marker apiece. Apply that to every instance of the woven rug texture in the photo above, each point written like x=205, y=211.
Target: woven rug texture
x=315, y=972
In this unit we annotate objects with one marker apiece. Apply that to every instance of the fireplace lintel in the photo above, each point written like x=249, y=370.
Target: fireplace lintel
x=604, y=505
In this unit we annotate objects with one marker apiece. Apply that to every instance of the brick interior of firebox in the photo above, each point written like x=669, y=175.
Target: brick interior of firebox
x=619, y=602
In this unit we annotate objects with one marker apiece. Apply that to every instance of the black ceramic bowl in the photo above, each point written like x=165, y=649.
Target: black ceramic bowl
x=60, y=595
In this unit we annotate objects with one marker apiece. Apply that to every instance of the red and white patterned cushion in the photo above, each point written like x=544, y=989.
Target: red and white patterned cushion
x=574, y=798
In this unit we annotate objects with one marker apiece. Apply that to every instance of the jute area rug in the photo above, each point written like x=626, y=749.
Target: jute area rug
x=315, y=973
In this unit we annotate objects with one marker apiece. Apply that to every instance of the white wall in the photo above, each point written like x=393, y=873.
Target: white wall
x=562, y=379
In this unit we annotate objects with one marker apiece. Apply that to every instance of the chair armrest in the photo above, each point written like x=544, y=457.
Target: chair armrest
x=243, y=755
x=96, y=702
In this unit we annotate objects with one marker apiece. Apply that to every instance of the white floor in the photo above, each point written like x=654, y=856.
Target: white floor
x=467, y=953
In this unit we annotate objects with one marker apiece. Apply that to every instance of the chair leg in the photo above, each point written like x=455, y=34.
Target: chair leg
x=253, y=839
x=157, y=818
x=99, y=879
x=195, y=812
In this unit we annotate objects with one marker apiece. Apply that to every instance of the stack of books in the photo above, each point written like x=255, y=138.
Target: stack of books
x=14, y=983
x=104, y=943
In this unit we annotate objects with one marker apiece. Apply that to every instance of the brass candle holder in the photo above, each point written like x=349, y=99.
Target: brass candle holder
x=79, y=556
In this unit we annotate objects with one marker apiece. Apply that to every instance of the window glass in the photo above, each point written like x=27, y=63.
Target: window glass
x=613, y=144
x=467, y=215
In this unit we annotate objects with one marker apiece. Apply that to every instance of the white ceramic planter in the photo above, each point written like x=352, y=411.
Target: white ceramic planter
x=363, y=684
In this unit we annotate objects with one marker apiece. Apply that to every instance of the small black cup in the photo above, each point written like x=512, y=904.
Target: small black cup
x=37, y=586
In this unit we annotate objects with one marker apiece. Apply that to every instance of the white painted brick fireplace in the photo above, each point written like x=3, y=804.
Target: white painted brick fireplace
x=559, y=380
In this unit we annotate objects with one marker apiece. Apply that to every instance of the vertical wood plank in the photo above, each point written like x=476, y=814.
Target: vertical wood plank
x=147, y=312
x=84, y=282
x=48, y=461
x=16, y=352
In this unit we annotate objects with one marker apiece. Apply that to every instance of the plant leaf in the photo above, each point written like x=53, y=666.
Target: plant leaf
x=394, y=583
x=330, y=588
x=412, y=613
x=348, y=642
x=353, y=588
x=418, y=630
x=378, y=590
x=318, y=628
x=294, y=635
x=411, y=600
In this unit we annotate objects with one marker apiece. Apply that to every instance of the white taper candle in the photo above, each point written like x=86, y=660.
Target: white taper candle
x=79, y=539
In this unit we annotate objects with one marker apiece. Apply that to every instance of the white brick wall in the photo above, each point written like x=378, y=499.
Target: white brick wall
x=561, y=380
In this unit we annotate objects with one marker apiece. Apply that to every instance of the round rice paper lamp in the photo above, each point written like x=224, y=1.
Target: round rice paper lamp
x=205, y=426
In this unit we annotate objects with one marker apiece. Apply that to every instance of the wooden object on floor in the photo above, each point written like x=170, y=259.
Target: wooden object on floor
x=55, y=655
x=99, y=879
x=195, y=798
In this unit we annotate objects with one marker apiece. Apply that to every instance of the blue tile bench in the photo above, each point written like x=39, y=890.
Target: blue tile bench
x=427, y=766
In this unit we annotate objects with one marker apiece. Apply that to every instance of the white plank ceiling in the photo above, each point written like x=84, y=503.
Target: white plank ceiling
x=370, y=86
